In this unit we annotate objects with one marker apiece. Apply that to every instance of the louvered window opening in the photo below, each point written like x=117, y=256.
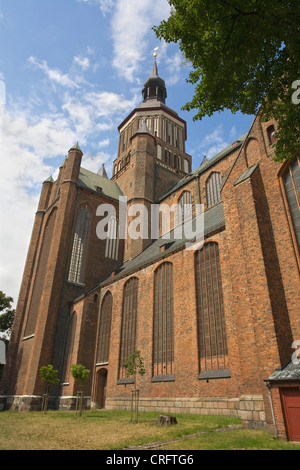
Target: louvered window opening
x=163, y=322
x=112, y=241
x=80, y=246
x=213, y=187
x=105, y=328
x=129, y=320
x=212, y=341
x=292, y=189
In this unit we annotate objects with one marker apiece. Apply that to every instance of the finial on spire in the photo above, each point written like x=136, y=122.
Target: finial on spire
x=155, y=53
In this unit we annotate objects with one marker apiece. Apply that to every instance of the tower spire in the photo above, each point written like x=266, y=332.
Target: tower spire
x=154, y=87
x=154, y=68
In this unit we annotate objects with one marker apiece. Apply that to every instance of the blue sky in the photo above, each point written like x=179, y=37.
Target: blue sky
x=72, y=70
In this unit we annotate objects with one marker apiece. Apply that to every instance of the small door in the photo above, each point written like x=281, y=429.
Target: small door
x=101, y=388
x=291, y=402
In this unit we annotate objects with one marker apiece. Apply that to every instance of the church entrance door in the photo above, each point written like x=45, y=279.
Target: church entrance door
x=101, y=388
x=291, y=402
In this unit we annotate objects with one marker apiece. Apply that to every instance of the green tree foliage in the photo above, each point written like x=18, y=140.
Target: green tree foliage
x=245, y=57
x=6, y=315
x=49, y=376
x=133, y=366
x=80, y=374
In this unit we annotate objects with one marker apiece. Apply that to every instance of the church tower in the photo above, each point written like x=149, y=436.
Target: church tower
x=65, y=258
x=151, y=156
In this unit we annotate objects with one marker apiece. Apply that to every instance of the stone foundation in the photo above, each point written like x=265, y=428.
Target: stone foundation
x=34, y=403
x=249, y=408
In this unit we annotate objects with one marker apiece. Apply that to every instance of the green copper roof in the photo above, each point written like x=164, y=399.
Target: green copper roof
x=49, y=180
x=76, y=147
x=98, y=183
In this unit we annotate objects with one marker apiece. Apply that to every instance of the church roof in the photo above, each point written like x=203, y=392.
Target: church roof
x=205, y=165
x=213, y=220
x=154, y=86
x=288, y=373
x=102, y=171
x=93, y=181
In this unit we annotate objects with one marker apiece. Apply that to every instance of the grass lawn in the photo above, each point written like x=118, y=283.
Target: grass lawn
x=112, y=430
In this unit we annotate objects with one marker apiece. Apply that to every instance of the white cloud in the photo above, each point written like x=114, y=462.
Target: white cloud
x=232, y=132
x=213, y=143
x=104, y=143
x=174, y=67
x=83, y=62
x=2, y=92
x=105, y=5
x=21, y=172
x=96, y=111
x=93, y=162
x=131, y=31
x=54, y=75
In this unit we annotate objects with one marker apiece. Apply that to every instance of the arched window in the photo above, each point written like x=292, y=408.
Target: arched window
x=164, y=129
x=80, y=245
x=70, y=346
x=156, y=126
x=105, y=327
x=159, y=151
x=186, y=166
x=213, y=186
x=291, y=180
x=184, y=207
x=170, y=133
x=163, y=323
x=128, y=328
x=112, y=241
x=40, y=274
x=271, y=134
x=176, y=161
x=212, y=342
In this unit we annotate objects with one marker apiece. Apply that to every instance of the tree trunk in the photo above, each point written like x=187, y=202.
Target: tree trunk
x=164, y=420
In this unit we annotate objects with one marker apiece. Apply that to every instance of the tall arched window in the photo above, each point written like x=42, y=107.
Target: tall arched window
x=105, y=327
x=291, y=180
x=80, y=245
x=112, y=241
x=163, y=323
x=212, y=342
x=128, y=328
x=213, y=186
x=70, y=346
x=40, y=274
x=184, y=207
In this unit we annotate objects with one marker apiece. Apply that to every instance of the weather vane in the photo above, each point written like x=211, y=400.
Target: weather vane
x=155, y=53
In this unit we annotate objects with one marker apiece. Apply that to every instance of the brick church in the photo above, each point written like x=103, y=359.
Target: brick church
x=215, y=325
